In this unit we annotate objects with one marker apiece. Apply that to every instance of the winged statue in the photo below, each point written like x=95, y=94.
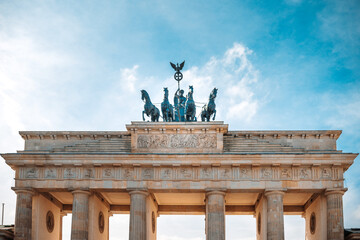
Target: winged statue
x=176, y=67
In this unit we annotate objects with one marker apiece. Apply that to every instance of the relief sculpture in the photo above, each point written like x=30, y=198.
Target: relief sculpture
x=177, y=141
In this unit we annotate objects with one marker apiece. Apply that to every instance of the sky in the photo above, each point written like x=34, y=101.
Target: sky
x=80, y=65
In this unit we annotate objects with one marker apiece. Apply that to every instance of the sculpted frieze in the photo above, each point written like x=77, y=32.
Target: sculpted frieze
x=88, y=173
x=50, y=173
x=69, y=173
x=245, y=173
x=31, y=173
x=108, y=173
x=206, y=173
x=147, y=173
x=326, y=173
x=183, y=173
x=305, y=173
x=166, y=173
x=286, y=173
x=177, y=141
x=266, y=173
x=127, y=173
x=225, y=173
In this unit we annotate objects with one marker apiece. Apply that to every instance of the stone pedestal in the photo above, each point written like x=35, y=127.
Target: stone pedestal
x=80, y=215
x=215, y=215
x=335, y=221
x=23, y=217
x=275, y=215
x=138, y=224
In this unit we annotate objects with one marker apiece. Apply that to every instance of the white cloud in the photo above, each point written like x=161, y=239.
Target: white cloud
x=128, y=78
x=234, y=75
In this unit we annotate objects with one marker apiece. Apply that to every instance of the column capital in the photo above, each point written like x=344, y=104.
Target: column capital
x=274, y=191
x=24, y=190
x=331, y=191
x=80, y=191
x=139, y=191
x=215, y=192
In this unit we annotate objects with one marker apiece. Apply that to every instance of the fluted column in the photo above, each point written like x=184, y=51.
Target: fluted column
x=138, y=215
x=80, y=215
x=275, y=215
x=215, y=215
x=335, y=221
x=23, y=216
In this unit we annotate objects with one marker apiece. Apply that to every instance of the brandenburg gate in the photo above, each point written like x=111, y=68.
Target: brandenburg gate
x=158, y=168
x=179, y=166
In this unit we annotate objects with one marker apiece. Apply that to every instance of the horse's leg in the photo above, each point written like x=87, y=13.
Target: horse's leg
x=143, y=115
x=214, y=115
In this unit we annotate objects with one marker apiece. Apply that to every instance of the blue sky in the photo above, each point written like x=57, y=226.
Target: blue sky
x=80, y=65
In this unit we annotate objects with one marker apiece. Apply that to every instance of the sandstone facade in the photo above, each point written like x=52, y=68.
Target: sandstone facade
x=178, y=168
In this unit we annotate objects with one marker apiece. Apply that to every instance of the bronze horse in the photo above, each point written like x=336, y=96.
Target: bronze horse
x=190, y=108
x=209, y=108
x=149, y=108
x=167, y=108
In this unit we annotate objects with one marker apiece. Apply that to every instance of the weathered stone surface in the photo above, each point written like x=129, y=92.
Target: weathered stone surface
x=177, y=164
x=23, y=217
x=138, y=209
x=275, y=215
x=80, y=215
x=215, y=215
x=335, y=220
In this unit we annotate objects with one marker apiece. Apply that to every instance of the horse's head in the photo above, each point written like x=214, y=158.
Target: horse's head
x=213, y=93
x=191, y=89
x=166, y=92
x=144, y=95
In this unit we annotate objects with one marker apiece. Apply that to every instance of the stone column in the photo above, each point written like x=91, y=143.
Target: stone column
x=23, y=216
x=335, y=221
x=275, y=215
x=80, y=215
x=137, y=229
x=215, y=215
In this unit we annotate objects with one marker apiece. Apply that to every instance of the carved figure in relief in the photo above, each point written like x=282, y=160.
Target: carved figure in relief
x=206, y=172
x=225, y=173
x=107, y=172
x=190, y=108
x=148, y=173
x=177, y=141
x=149, y=108
x=128, y=174
x=304, y=173
x=185, y=172
x=209, y=108
x=31, y=173
x=326, y=172
x=207, y=141
x=166, y=173
x=167, y=108
x=50, y=173
x=68, y=173
x=285, y=173
x=88, y=173
x=244, y=172
x=266, y=172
